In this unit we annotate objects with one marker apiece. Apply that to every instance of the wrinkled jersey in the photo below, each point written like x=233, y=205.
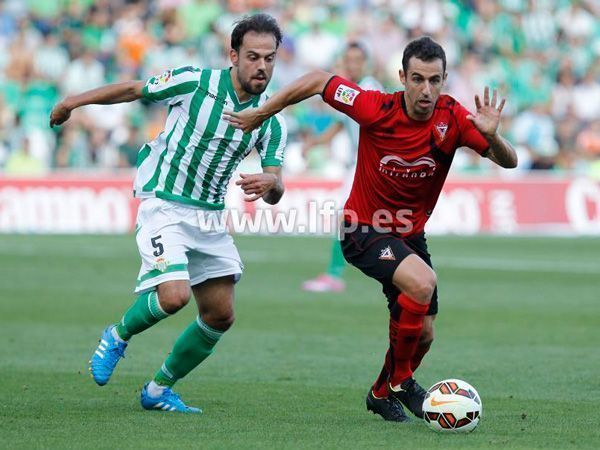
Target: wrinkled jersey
x=193, y=159
x=402, y=163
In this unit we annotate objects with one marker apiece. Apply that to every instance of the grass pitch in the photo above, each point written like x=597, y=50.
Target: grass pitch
x=519, y=319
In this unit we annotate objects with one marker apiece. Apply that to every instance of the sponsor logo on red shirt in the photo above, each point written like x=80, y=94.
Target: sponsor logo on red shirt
x=395, y=166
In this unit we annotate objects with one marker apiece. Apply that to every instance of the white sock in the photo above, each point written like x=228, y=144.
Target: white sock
x=114, y=333
x=155, y=390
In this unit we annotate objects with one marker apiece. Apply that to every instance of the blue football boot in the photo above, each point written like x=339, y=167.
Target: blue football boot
x=169, y=401
x=107, y=355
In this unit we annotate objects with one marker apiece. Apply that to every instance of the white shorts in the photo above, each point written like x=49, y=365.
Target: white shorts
x=181, y=243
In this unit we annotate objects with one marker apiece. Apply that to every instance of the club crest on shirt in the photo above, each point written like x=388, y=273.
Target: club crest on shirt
x=162, y=78
x=386, y=254
x=441, y=128
x=345, y=94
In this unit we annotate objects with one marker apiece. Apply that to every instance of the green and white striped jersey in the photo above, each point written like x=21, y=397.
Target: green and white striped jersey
x=192, y=160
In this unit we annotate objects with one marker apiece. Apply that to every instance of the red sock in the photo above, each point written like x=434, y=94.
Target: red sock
x=420, y=352
x=380, y=388
x=404, y=337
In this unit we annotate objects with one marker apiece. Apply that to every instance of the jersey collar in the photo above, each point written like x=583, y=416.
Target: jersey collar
x=253, y=101
x=410, y=119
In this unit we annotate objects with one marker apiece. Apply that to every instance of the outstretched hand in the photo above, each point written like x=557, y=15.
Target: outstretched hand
x=246, y=120
x=256, y=185
x=59, y=114
x=487, y=117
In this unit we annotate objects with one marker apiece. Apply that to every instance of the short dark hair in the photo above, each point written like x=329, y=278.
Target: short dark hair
x=259, y=23
x=425, y=49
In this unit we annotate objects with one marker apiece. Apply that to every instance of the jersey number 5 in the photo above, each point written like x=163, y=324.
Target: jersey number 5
x=157, y=245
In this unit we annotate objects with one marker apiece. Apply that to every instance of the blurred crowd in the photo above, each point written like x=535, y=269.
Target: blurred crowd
x=543, y=55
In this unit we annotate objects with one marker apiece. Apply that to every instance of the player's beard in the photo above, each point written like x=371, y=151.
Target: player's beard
x=246, y=84
x=424, y=110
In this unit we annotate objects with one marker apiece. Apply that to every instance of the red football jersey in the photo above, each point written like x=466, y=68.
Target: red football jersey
x=402, y=163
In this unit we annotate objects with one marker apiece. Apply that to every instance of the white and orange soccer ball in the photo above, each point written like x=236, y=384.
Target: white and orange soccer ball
x=452, y=406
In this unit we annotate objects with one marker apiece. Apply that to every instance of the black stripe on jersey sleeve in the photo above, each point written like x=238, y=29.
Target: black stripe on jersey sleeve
x=327, y=84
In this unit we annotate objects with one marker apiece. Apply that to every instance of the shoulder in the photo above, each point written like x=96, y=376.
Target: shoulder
x=448, y=105
x=277, y=124
x=273, y=132
x=186, y=69
x=176, y=75
x=273, y=126
x=184, y=73
x=388, y=101
x=447, y=102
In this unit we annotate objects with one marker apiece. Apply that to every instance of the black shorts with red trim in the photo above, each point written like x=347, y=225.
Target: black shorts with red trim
x=378, y=254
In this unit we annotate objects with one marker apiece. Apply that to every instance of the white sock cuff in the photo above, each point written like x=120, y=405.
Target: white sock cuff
x=115, y=334
x=154, y=306
x=155, y=390
x=212, y=334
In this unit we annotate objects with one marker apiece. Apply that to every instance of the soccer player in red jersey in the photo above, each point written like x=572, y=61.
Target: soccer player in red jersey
x=407, y=142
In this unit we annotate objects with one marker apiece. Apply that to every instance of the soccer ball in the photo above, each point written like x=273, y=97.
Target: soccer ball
x=452, y=406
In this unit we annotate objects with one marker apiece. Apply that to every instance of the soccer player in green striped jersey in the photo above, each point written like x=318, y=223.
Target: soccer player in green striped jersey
x=182, y=179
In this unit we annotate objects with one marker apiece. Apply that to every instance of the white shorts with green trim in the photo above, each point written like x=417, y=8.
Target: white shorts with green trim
x=177, y=242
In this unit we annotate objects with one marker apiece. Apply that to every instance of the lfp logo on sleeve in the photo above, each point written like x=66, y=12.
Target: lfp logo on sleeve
x=346, y=94
x=163, y=78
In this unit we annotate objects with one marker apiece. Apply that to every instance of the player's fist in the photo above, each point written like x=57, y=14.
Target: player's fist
x=256, y=185
x=59, y=114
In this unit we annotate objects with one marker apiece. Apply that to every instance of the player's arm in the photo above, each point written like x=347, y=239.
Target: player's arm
x=267, y=185
x=486, y=120
x=273, y=195
x=364, y=107
x=306, y=86
x=105, y=95
x=501, y=152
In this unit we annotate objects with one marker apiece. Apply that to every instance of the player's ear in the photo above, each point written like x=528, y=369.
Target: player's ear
x=402, y=76
x=234, y=57
x=445, y=76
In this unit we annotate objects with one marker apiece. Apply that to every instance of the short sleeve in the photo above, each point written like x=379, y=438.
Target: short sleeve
x=469, y=135
x=272, y=140
x=172, y=85
x=349, y=98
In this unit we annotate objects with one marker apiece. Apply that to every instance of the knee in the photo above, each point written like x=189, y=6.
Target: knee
x=222, y=320
x=173, y=299
x=422, y=288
